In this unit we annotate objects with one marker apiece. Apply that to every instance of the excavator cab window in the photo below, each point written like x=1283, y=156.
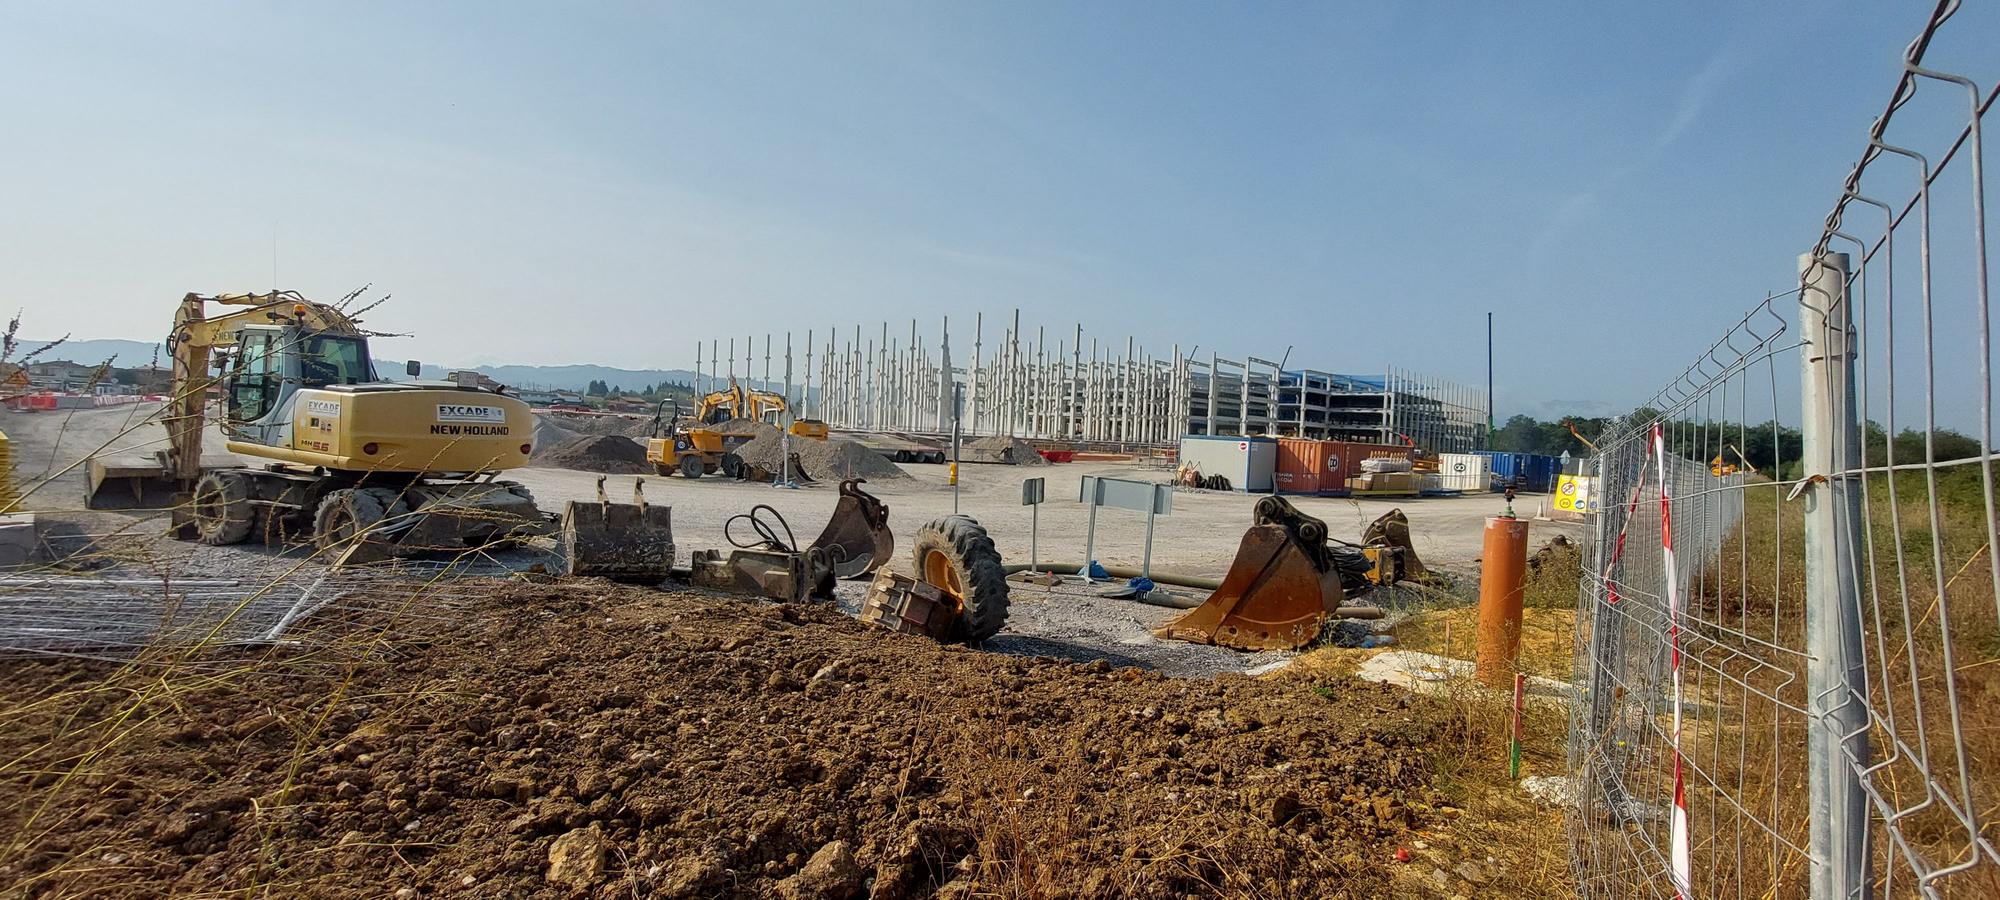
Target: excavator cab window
x=327, y=359
x=253, y=382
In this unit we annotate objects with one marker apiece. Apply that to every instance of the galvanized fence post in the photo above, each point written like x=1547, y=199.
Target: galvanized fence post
x=1607, y=635
x=1836, y=680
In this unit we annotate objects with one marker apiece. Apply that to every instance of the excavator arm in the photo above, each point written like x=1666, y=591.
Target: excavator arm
x=1571, y=425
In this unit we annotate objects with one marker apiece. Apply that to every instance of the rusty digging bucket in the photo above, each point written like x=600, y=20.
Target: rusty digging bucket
x=627, y=542
x=1279, y=591
x=857, y=538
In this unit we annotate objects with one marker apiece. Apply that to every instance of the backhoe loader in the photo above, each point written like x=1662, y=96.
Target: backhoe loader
x=364, y=466
x=695, y=445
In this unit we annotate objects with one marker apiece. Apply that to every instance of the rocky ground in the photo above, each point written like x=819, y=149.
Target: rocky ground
x=581, y=739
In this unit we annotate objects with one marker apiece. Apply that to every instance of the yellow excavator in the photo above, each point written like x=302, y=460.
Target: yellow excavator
x=346, y=457
x=697, y=445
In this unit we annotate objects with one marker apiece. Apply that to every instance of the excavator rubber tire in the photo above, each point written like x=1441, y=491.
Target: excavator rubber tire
x=344, y=513
x=955, y=553
x=222, y=511
x=692, y=466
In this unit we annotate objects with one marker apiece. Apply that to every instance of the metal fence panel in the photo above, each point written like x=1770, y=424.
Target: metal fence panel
x=1816, y=681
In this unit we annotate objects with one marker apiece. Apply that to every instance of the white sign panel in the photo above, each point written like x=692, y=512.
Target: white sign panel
x=484, y=414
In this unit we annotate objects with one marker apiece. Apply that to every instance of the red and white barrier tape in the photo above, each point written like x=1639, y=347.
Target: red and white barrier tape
x=1683, y=865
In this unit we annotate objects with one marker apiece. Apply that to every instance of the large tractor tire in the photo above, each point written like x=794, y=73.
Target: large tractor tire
x=342, y=516
x=692, y=465
x=954, y=554
x=222, y=511
x=732, y=466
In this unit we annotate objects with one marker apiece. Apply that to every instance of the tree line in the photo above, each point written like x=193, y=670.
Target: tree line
x=678, y=389
x=1769, y=446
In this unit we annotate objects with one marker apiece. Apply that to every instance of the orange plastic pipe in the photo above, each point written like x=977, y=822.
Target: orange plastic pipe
x=1503, y=573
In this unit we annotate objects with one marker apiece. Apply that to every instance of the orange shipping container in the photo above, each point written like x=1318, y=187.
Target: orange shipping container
x=1307, y=466
x=1302, y=466
x=1344, y=462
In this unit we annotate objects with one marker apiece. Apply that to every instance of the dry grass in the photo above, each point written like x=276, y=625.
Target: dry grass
x=1494, y=830
x=1929, y=634
x=1548, y=636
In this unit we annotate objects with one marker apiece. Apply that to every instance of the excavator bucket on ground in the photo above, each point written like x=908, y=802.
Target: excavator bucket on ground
x=857, y=538
x=628, y=542
x=1392, y=529
x=1281, y=589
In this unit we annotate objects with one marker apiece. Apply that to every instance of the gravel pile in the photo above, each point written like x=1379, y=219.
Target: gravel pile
x=549, y=436
x=828, y=460
x=611, y=454
x=624, y=426
x=1006, y=450
x=745, y=426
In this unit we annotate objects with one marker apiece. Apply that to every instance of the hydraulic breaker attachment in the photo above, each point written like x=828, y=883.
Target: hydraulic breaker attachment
x=857, y=538
x=1392, y=530
x=765, y=565
x=628, y=542
x=782, y=575
x=1280, y=590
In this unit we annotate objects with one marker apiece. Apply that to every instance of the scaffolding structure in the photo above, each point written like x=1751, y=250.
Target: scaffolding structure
x=1083, y=389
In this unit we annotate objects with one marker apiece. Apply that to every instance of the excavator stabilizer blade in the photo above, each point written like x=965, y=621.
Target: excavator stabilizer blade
x=1278, y=593
x=628, y=542
x=132, y=482
x=857, y=538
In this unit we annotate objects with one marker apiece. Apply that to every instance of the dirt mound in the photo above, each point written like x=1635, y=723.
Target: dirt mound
x=608, y=453
x=580, y=739
x=829, y=460
x=1002, y=449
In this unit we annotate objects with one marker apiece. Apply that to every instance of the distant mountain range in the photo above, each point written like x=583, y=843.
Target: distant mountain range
x=135, y=354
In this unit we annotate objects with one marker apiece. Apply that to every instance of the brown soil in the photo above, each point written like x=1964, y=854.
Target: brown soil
x=609, y=453
x=824, y=460
x=687, y=745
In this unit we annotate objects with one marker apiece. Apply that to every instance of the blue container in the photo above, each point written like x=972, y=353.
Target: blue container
x=1528, y=472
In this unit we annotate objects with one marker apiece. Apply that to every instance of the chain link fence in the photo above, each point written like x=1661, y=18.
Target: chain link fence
x=1789, y=623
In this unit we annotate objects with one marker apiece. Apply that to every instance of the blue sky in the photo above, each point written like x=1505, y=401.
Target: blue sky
x=608, y=184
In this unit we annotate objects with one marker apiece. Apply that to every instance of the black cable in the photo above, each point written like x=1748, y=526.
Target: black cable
x=770, y=536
